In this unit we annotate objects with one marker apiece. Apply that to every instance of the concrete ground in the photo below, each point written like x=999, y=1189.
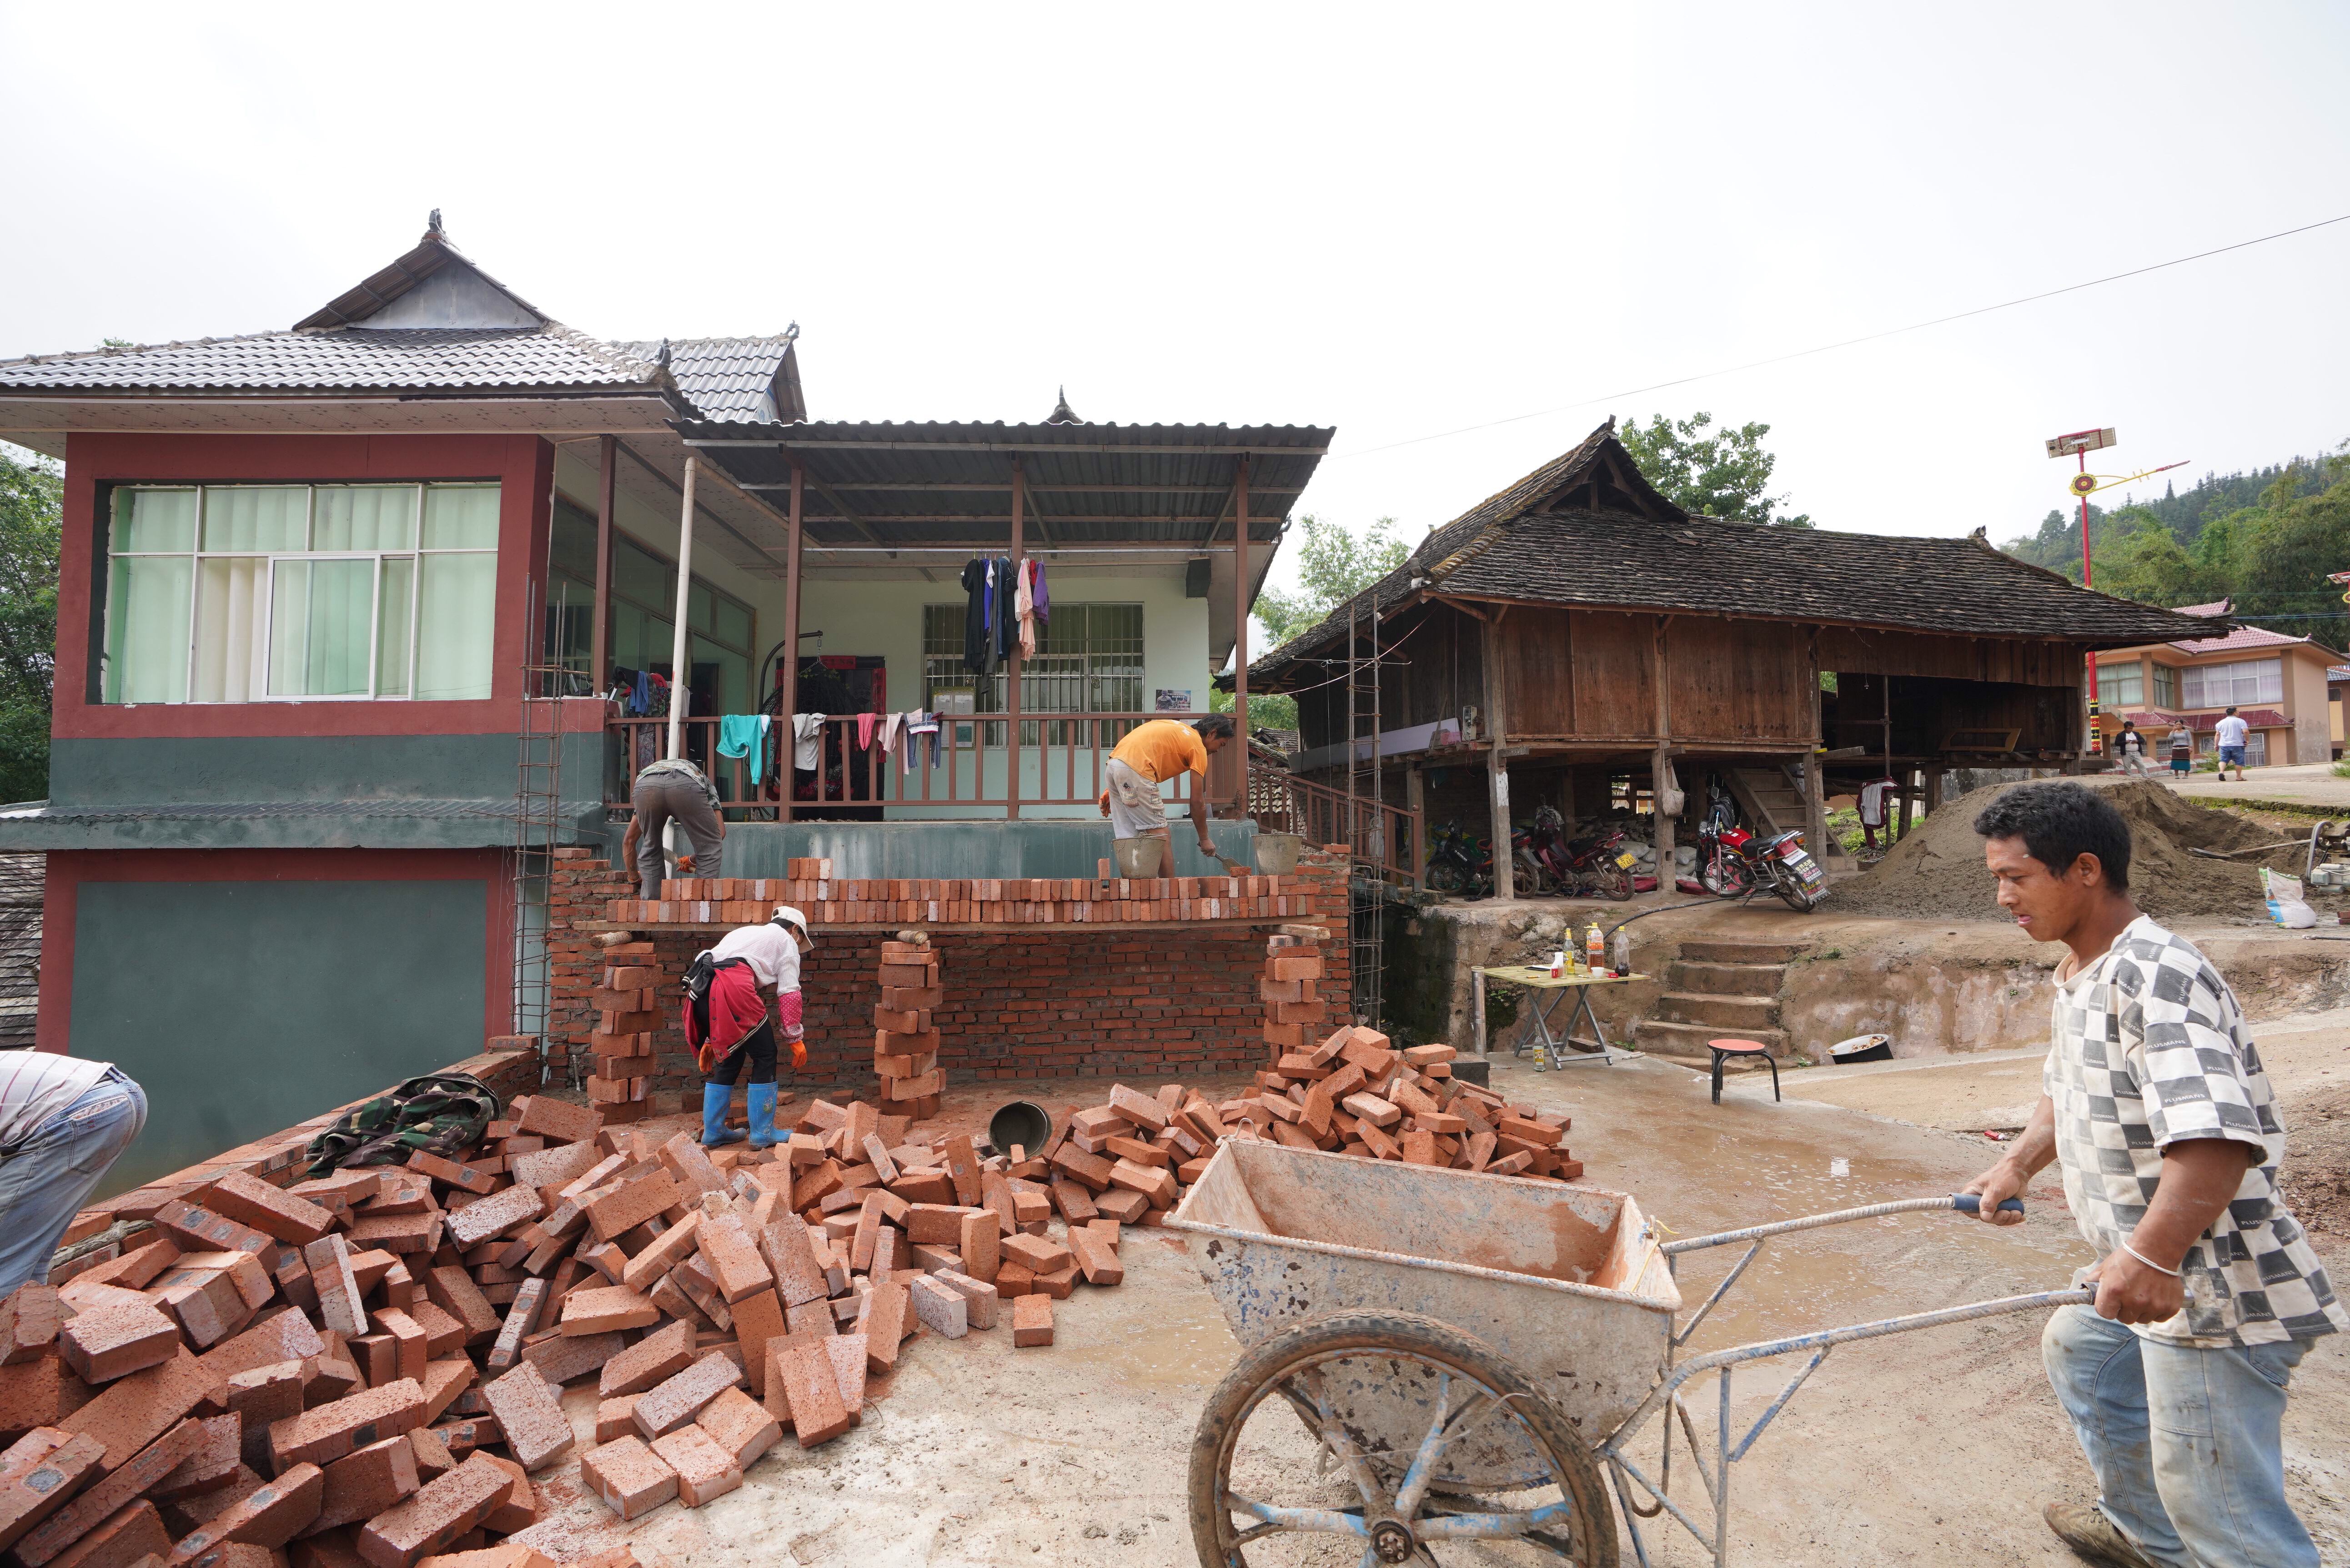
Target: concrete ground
x=2305, y=785
x=1936, y=1449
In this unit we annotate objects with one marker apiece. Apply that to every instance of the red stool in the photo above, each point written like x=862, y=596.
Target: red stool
x=1725, y=1049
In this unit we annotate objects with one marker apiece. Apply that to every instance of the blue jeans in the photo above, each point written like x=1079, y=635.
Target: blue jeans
x=45, y=1180
x=2231, y=756
x=2187, y=1444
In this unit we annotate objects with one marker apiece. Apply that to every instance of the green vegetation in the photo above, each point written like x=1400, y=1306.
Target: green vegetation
x=1713, y=473
x=1334, y=563
x=31, y=492
x=2266, y=538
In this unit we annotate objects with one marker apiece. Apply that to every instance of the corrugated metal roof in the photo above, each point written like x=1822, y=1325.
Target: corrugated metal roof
x=1627, y=546
x=732, y=378
x=345, y=360
x=951, y=482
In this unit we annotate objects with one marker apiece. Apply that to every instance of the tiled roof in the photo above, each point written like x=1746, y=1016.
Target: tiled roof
x=345, y=360
x=2253, y=717
x=729, y=378
x=1634, y=549
x=2215, y=607
x=2337, y=673
x=2241, y=637
x=21, y=886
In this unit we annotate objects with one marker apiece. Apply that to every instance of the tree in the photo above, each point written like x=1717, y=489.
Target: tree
x=2142, y=561
x=1713, y=473
x=1333, y=565
x=31, y=494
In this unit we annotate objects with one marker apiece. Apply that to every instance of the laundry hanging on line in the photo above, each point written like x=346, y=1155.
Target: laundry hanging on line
x=744, y=736
x=807, y=742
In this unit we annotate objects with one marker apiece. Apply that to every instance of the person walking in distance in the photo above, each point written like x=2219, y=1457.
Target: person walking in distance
x=2129, y=750
x=2232, y=738
x=64, y=1121
x=2155, y=1106
x=672, y=788
x=732, y=1023
x=2182, y=753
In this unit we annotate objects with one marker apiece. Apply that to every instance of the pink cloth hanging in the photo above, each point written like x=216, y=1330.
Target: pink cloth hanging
x=1024, y=603
x=865, y=730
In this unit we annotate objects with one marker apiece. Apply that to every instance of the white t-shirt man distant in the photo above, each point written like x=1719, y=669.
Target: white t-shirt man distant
x=2230, y=737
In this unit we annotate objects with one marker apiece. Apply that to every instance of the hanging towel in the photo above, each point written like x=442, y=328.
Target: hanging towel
x=865, y=731
x=1024, y=602
x=807, y=742
x=744, y=736
x=890, y=724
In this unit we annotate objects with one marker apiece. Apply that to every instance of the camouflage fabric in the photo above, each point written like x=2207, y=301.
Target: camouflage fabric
x=440, y=1113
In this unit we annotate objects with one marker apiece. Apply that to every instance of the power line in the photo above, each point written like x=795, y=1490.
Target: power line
x=1845, y=343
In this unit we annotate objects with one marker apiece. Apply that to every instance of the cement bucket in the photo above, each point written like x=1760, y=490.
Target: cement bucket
x=1277, y=853
x=1138, y=857
x=1023, y=1123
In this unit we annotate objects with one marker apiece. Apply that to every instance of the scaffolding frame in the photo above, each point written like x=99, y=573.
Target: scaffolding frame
x=1366, y=885
x=537, y=825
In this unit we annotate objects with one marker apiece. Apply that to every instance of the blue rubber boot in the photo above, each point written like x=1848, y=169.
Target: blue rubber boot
x=715, y=1131
x=763, y=1116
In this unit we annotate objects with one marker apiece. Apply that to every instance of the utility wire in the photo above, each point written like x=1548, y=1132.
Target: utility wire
x=1845, y=343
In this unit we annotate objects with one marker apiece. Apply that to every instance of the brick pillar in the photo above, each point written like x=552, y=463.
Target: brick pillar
x=905, y=1041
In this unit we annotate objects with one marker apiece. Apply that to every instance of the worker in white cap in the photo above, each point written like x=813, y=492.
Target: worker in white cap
x=730, y=1020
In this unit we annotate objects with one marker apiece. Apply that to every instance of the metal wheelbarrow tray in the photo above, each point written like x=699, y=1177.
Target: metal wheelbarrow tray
x=1470, y=1354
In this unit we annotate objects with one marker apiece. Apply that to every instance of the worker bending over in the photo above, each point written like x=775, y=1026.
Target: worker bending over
x=64, y=1120
x=729, y=1020
x=1151, y=754
x=2155, y=1105
x=671, y=790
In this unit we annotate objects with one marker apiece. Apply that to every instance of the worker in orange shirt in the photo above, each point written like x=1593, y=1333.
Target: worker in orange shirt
x=1151, y=754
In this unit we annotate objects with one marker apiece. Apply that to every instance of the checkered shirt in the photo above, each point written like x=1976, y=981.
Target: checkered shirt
x=2151, y=1050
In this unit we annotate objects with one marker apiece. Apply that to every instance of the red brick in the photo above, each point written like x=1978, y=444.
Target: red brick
x=364, y=1483
x=269, y=1517
x=199, y=1230
x=630, y=1205
x=676, y=1400
x=1038, y=1253
x=272, y=1211
x=980, y=1299
x=443, y=1381
x=941, y=1309
x=607, y=1308
x=213, y=1465
x=659, y=1355
x=133, y=1532
x=433, y=1460
x=493, y=1216
x=133, y=1411
x=1096, y=1257
x=438, y=1513
x=553, y=1118
x=562, y=1358
x=518, y=1510
x=343, y=1426
x=616, y=1417
x=884, y=1325
x=113, y=1342
x=645, y=1269
x=759, y=1321
x=628, y=1475
x=529, y=1411
x=29, y=1319
x=260, y=1397
x=705, y=1470
x=120, y=1489
x=1032, y=1321
x=732, y=1258
x=40, y=1475
x=453, y=1290
x=741, y=1426
x=809, y=1391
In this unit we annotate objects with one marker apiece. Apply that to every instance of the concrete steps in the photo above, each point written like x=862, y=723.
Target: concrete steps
x=1716, y=990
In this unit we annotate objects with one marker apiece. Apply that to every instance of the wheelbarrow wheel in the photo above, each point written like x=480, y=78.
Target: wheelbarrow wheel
x=1381, y=1437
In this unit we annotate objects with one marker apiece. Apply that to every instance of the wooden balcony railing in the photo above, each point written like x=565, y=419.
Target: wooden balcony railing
x=1391, y=840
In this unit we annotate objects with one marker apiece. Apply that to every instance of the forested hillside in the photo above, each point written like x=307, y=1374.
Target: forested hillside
x=2266, y=538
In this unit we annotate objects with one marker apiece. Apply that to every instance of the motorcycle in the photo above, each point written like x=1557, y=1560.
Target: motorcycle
x=1736, y=864
x=1539, y=855
x=1459, y=862
x=1597, y=863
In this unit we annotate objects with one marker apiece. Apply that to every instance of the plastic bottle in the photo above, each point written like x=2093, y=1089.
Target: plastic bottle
x=1623, y=953
x=1594, y=948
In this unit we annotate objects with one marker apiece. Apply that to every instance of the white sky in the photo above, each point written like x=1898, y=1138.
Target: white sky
x=1399, y=221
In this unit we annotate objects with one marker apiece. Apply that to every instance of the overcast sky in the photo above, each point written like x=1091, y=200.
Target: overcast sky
x=1398, y=221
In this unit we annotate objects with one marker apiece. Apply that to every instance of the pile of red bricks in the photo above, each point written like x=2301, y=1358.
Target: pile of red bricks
x=367, y=1368
x=905, y=1040
x=627, y=1010
x=1293, y=1011
x=1018, y=900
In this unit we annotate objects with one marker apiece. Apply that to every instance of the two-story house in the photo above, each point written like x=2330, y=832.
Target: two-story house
x=308, y=576
x=2277, y=685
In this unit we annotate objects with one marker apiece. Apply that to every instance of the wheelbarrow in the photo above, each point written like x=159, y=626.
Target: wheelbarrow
x=1469, y=1361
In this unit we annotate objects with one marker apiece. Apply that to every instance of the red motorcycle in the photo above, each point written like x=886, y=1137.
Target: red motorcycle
x=1736, y=864
x=1550, y=862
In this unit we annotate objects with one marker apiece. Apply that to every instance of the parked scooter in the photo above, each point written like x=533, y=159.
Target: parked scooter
x=1459, y=862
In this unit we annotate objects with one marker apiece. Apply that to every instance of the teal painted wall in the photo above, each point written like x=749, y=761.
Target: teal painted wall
x=245, y=1007
x=1049, y=849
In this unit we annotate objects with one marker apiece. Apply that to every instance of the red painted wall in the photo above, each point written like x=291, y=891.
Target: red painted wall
x=69, y=868
x=523, y=465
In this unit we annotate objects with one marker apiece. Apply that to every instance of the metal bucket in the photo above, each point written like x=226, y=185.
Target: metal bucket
x=1021, y=1122
x=1277, y=853
x=1138, y=857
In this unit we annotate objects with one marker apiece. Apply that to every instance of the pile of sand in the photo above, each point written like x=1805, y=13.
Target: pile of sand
x=1936, y=873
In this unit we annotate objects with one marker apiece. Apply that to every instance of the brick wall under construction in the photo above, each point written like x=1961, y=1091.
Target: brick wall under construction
x=1056, y=1001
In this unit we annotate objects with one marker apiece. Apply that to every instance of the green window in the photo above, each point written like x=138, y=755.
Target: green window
x=249, y=593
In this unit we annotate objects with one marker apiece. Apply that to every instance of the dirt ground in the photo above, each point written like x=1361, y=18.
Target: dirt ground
x=1076, y=1453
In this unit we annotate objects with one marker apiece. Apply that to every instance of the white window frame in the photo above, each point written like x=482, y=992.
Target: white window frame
x=196, y=555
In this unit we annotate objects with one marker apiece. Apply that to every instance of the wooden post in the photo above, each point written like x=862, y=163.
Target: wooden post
x=1815, y=793
x=1239, y=641
x=600, y=638
x=1933, y=788
x=1663, y=788
x=1415, y=800
x=787, y=780
x=1497, y=766
x=1006, y=600
x=1477, y=1012
x=1908, y=798
x=680, y=667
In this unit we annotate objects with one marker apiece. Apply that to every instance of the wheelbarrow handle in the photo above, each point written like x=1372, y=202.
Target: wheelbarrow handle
x=1970, y=1203
x=1964, y=1202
